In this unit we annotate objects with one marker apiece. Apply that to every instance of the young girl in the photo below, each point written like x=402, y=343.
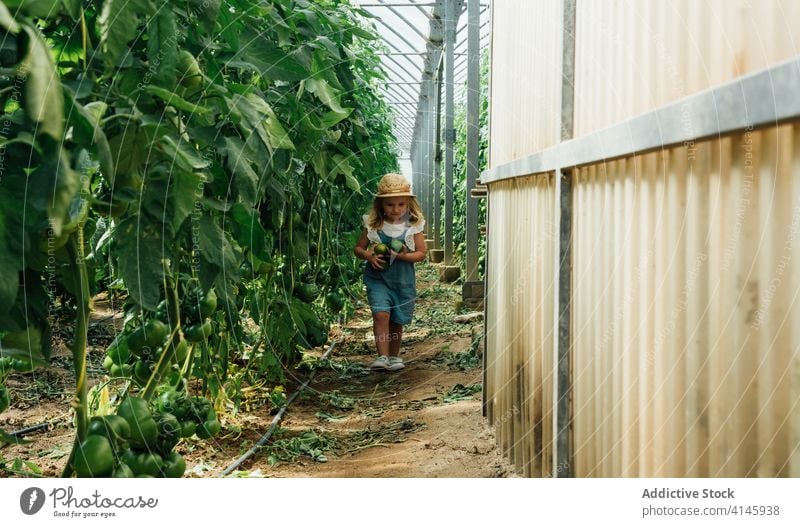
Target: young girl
x=391, y=283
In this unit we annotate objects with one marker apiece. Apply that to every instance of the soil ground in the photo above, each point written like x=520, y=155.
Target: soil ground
x=422, y=421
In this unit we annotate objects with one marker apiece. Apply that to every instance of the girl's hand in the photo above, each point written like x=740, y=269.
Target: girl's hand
x=376, y=260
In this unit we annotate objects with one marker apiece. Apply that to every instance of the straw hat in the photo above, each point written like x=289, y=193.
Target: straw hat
x=394, y=185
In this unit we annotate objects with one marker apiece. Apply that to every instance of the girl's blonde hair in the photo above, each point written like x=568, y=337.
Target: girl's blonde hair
x=375, y=219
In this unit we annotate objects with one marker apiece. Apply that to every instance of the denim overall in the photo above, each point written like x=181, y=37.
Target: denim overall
x=393, y=290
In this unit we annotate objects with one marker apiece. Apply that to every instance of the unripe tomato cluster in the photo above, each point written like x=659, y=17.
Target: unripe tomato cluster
x=135, y=352
x=136, y=442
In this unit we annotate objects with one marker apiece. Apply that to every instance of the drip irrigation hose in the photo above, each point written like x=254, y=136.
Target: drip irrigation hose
x=41, y=427
x=277, y=419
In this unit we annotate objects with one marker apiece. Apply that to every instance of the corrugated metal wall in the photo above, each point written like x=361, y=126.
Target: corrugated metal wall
x=632, y=56
x=525, y=77
x=686, y=313
x=520, y=337
x=685, y=321
x=685, y=327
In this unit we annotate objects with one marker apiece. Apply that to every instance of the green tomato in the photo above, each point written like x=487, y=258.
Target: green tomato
x=169, y=431
x=142, y=370
x=208, y=429
x=396, y=245
x=126, y=370
x=123, y=471
x=168, y=401
x=334, y=301
x=22, y=365
x=118, y=350
x=307, y=292
x=144, y=431
x=137, y=341
x=198, y=332
x=189, y=73
x=209, y=304
x=155, y=332
x=181, y=352
x=94, y=458
x=112, y=427
x=174, y=466
x=149, y=464
x=162, y=311
x=188, y=428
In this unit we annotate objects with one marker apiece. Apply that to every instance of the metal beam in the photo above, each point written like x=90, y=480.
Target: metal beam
x=764, y=98
x=451, y=21
x=425, y=125
x=473, y=137
x=563, y=462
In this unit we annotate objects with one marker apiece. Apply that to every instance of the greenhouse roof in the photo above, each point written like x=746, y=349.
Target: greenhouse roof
x=405, y=27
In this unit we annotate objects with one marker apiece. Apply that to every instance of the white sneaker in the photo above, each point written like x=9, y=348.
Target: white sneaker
x=395, y=363
x=381, y=363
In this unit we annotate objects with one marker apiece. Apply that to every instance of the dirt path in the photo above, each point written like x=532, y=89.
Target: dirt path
x=423, y=421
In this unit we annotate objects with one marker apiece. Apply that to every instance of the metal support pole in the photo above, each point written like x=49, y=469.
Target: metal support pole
x=437, y=168
x=563, y=464
x=473, y=133
x=433, y=114
x=451, y=17
x=428, y=148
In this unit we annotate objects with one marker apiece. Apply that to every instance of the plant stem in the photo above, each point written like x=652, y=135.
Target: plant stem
x=78, y=265
x=173, y=308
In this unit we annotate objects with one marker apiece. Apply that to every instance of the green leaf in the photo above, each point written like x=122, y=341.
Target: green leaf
x=278, y=137
x=352, y=183
x=214, y=245
x=162, y=47
x=254, y=114
x=319, y=160
x=73, y=7
x=44, y=101
x=250, y=232
x=331, y=119
x=182, y=154
x=53, y=186
x=85, y=121
x=207, y=11
x=139, y=251
x=260, y=54
x=26, y=345
x=238, y=163
x=362, y=33
x=325, y=93
x=175, y=100
x=128, y=150
x=35, y=8
x=186, y=189
x=119, y=25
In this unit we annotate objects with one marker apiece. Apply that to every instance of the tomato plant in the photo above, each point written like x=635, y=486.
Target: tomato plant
x=203, y=160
